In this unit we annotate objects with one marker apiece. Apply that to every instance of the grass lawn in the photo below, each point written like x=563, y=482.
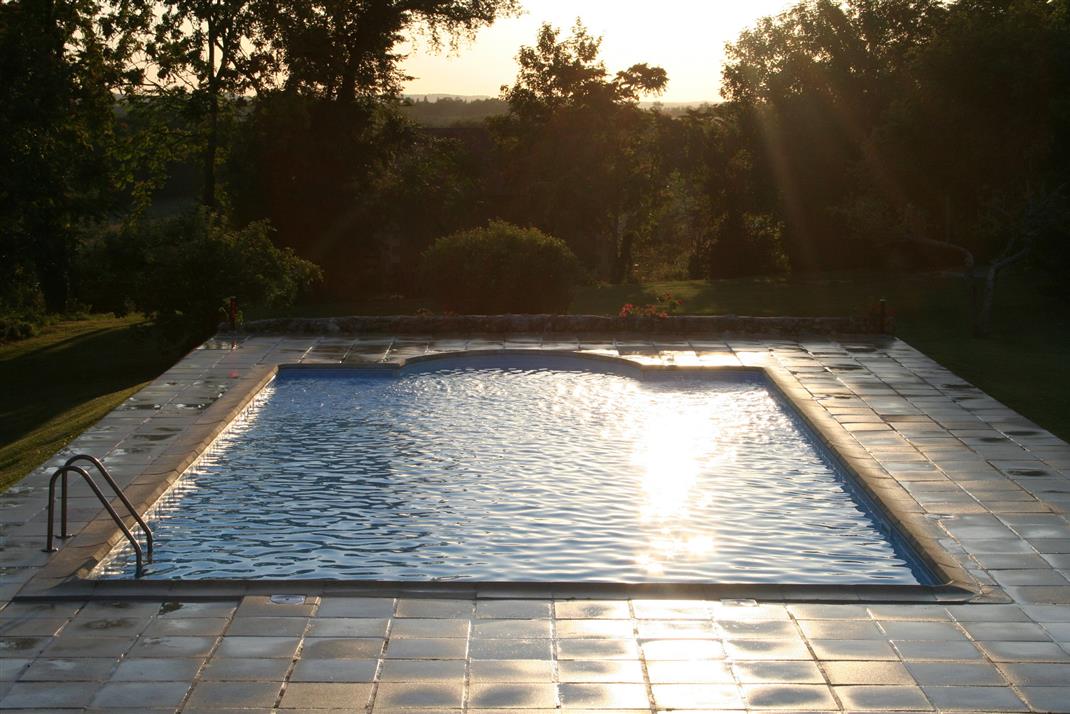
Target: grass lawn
x=1023, y=363
x=63, y=380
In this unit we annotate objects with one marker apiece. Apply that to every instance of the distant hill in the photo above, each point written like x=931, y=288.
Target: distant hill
x=444, y=110
x=450, y=110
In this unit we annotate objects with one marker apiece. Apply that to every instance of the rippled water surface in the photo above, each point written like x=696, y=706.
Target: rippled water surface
x=520, y=469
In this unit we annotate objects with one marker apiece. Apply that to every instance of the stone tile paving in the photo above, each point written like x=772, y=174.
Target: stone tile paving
x=993, y=486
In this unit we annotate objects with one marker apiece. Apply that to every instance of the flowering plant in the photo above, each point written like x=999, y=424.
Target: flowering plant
x=665, y=304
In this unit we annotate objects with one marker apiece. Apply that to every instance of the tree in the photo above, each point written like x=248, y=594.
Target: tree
x=978, y=140
x=211, y=52
x=59, y=62
x=814, y=84
x=344, y=50
x=574, y=147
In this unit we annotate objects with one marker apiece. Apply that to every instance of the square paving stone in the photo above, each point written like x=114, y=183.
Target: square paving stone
x=134, y=695
x=820, y=611
x=341, y=648
x=676, y=629
x=511, y=670
x=597, y=649
x=439, y=648
x=510, y=649
x=31, y=627
x=40, y=695
x=792, y=697
x=1024, y=652
x=853, y=649
x=996, y=699
x=622, y=670
x=333, y=670
x=268, y=627
x=235, y=695
x=347, y=697
x=157, y=647
x=83, y=626
x=183, y=610
x=508, y=695
x=604, y=628
x=425, y=628
x=697, y=696
x=671, y=609
x=504, y=629
x=246, y=669
x=591, y=609
x=24, y=610
x=347, y=627
x=118, y=609
x=883, y=698
x=187, y=627
x=904, y=630
x=1007, y=631
x=683, y=649
x=987, y=613
x=257, y=647
x=68, y=670
x=953, y=673
x=11, y=669
x=150, y=669
x=1047, y=699
x=418, y=695
x=776, y=672
x=264, y=606
x=840, y=630
x=513, y=609
x=459, y=609
x=923, y=651
x=422, y=670
x=758, y=629
x=603, y=696
x=767, y=649
x=1037, y=674
x=356, y=607
x=88, y=646
x=860, y=672
x=884, y=613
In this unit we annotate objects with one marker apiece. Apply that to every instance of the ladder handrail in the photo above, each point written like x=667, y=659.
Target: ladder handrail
x=63, y=471
x=114, y=487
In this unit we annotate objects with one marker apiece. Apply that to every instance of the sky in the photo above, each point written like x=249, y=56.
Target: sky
x=685, y=37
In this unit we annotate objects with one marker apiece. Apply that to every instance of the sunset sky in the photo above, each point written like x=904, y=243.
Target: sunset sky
x=686, y=37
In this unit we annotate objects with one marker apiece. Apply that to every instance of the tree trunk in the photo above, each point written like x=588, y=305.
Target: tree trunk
x=212, y=140
x=623, y=268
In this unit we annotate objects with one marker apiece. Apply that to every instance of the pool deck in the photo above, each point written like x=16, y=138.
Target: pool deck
x=981, y=488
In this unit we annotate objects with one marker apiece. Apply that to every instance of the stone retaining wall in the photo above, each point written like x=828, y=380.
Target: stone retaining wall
x=586, y=324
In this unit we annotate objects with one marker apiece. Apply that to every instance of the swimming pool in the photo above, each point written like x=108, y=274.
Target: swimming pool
x=521, y=468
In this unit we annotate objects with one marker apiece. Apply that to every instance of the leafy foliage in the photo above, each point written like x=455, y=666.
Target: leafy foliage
x=500, y=268
x=181, y=269
x=578, y=149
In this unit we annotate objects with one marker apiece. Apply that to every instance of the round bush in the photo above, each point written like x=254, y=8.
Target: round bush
x=500, y=268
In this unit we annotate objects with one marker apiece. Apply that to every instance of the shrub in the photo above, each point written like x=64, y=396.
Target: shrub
x=500, y=268
x=182, y=269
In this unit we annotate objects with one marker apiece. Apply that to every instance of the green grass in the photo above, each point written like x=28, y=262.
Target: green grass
x=61, y=381
x=1022, y=363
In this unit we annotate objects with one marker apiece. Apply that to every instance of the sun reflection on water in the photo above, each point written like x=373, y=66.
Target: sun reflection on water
x=674, y=451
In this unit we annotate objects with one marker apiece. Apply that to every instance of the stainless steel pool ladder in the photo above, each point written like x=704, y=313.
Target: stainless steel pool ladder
x=68, y=468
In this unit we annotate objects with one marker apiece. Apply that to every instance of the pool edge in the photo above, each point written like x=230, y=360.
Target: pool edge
x=65, y=574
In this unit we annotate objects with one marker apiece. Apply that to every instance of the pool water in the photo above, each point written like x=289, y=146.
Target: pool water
x=520, y=469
